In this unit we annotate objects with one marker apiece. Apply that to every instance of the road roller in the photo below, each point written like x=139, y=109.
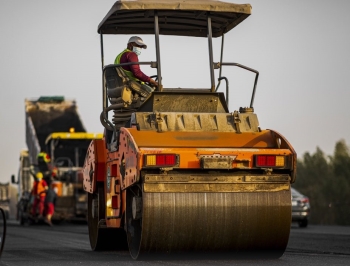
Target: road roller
x=177, y=173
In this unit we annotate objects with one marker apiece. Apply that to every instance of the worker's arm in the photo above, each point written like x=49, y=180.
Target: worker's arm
x=32, y=171
x=135, y=69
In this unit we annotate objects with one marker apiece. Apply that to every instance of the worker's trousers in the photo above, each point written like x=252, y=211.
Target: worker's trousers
x=38, y=205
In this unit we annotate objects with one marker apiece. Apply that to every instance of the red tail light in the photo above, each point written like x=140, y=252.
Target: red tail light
x=270, y=160
x=165, y=159
x=161, y=160
x=305, y=200
x=266, y=160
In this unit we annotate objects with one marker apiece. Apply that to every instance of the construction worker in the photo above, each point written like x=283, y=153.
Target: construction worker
x=50, y=201
x=45, y=166
x=130, y=54
x=43, y=161
x=39, y=193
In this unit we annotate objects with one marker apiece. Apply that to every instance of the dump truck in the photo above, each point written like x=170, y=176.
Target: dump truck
x=24, y=184
x=5, y=198
x=178, y=173
x=53, y=126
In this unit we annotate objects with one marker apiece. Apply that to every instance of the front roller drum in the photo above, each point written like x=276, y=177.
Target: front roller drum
x=226, y=224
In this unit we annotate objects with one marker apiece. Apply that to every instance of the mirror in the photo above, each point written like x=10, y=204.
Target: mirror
x=13, y=179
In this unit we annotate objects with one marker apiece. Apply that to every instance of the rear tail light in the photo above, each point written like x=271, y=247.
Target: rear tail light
x=304, y=200
x=270, y=161
x=161, y=160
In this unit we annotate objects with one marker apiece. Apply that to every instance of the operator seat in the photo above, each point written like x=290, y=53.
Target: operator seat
x=125, y=95
x=117, y=81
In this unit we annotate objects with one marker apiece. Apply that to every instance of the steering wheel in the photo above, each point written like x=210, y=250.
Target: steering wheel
x=155, y=77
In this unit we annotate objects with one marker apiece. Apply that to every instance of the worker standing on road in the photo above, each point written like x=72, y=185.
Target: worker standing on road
x=39, y=193
x=50, y=201
x=130, y=54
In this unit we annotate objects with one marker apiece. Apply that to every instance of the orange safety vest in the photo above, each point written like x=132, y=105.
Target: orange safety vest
x=39, y=187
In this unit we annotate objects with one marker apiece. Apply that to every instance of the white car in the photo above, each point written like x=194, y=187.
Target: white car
x=300, y=208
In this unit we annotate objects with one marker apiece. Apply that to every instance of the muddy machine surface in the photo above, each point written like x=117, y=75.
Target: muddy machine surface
x=177, y=173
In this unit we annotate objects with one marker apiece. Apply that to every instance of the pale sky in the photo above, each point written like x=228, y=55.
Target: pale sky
x=300, y=48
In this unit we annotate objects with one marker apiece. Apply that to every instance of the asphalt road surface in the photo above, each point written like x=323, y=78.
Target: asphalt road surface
x=68, y=244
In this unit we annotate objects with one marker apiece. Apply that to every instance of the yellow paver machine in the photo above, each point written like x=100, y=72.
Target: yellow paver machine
x=177, y=173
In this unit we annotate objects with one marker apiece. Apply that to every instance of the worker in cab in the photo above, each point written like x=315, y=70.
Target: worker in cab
x=39, y=194
x=133, y=72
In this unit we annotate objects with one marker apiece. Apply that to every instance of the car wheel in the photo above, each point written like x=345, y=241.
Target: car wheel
x=303, y=223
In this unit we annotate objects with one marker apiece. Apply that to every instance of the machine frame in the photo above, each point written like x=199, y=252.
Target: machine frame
x=183, y=158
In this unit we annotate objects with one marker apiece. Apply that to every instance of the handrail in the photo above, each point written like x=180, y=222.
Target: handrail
x=221, y=56
x=152, y=63
x=227, y=90
x=246, y=68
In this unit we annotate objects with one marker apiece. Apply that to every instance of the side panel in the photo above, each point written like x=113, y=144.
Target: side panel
x=129, y=159
x=94, y=168
x=259, y=140
x=122, y=171
x=113, y=190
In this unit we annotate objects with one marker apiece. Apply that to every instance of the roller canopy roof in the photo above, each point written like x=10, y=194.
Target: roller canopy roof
x=184, y=18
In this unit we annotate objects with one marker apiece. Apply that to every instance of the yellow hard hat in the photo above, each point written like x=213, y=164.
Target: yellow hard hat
x=39, y=175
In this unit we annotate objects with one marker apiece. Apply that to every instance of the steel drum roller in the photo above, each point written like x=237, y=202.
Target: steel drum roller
x=213, y=222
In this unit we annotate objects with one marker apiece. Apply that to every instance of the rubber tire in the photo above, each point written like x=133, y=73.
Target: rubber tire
x=23, y=218
x=134, y=227
x=102, y=238
x=96, y=242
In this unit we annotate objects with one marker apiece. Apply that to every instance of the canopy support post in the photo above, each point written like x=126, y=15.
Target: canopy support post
x=102, y=55
x=159, y=72
x=211, y=63
x=104, y=94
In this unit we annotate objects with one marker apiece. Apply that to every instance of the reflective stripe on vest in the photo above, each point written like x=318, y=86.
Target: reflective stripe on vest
x=128, y=73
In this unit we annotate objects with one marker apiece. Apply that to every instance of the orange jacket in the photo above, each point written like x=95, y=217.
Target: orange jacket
x=39, y=188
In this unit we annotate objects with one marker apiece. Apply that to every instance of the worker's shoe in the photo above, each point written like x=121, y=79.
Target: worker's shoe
x=48, y=222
